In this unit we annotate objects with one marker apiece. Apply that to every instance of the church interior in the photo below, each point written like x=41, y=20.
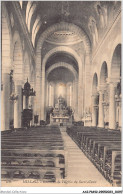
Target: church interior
x=61, y=92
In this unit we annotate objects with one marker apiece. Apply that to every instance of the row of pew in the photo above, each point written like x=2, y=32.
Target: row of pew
x=34, y=153
x=102, y=147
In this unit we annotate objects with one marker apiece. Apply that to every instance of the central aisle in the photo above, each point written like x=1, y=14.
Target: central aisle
x=79, y=168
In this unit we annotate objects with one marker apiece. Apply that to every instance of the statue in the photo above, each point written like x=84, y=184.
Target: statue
x=93, y=29
x=60, y=102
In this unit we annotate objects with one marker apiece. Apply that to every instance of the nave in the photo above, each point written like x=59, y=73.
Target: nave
x=61, y=68
x=77, y=60
x=48, y=154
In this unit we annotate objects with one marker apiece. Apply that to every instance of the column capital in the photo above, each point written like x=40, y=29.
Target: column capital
x=101, y=88
x=113, y=81
x=113, y=84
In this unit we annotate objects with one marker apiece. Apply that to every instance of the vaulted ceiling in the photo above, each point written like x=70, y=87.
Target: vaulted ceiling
x=62, y=57
x=40, y=15
x=60, y=74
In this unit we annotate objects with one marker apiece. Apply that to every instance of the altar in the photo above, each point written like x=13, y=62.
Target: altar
x=63, y=121
x=61, y=115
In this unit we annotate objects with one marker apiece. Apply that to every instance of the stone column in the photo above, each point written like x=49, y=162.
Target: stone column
x=18, y=106
x=68, y=94
x=38, y=99
x=32, y=105
x=94, y=110
x=71, y=96
x=34, y=99
x=87, y=81
x=112, y=107
x=47, y=95
x=101, y=110
x=76, y=100
x=94, y=119
x=5, y=102
x=120, y=112
x=43, y=94
x=80, y=93
x=53, y=95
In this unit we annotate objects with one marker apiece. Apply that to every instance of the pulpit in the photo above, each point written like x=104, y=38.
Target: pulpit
x=27, y=114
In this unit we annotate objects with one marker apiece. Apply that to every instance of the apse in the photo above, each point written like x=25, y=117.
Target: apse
x=61, y=90
x=60, y=79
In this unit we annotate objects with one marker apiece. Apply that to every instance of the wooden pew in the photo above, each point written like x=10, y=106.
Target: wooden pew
x=26, y=151
x=95, y=143
x=15, y=172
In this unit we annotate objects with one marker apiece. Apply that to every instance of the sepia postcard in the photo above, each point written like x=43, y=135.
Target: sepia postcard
x=61, y=95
